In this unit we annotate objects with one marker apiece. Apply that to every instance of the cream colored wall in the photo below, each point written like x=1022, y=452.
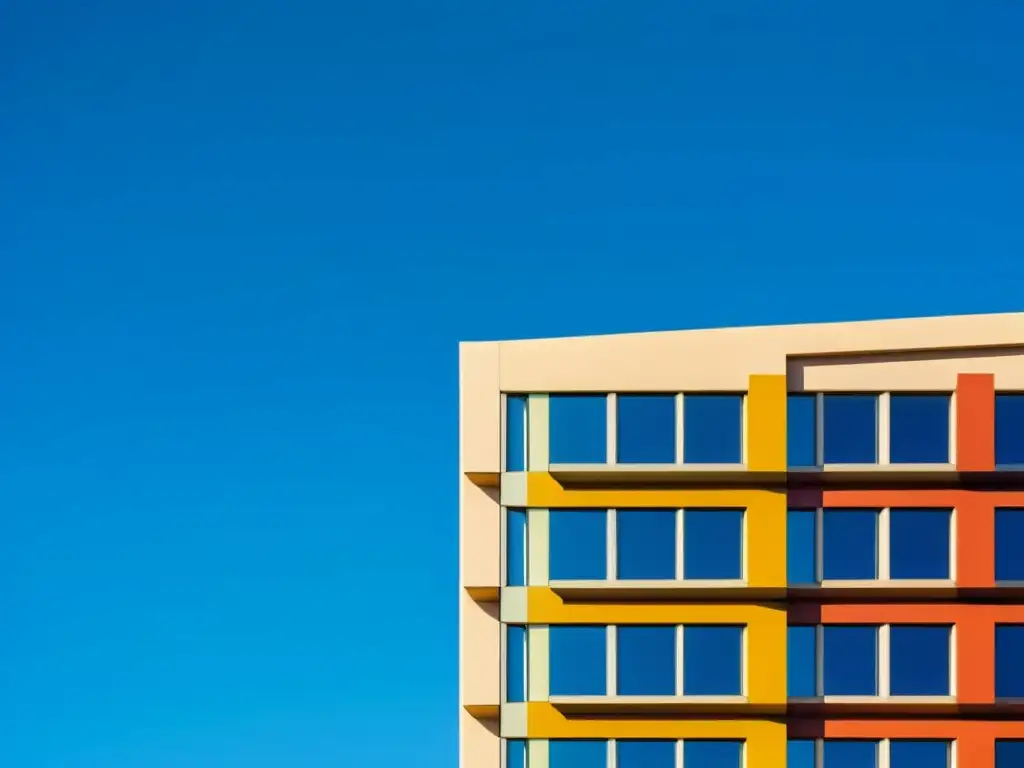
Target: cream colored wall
x=480, y=534
x=479, y=743
x=479, y=408
x=480, y=657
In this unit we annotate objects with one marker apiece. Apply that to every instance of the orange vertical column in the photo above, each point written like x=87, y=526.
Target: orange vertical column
x=976, y=748
x=976, y=656
x=975, y=422
x=975, y=534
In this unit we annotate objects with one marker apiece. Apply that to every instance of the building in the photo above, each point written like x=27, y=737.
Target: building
x=794, y=545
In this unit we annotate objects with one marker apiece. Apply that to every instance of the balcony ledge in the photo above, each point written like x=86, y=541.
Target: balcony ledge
x=637, y=705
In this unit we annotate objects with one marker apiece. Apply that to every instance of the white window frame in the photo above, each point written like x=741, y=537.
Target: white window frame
x=884, y=751
x=504, y=656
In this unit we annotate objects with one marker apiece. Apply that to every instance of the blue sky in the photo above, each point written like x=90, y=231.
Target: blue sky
x=238, y=245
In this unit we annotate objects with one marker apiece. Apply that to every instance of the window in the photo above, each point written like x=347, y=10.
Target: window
x=801, y=543
x=578, y=660
x=577, y=754
x=1010, y=661
x=646, y=542
x=712, y=660
x=1009, y=429
x=515, y=433
x=713, y=544
x=801, y=664
x=918, y=429
x=843, y=753
x=645, y=430
x=1009, y=753
x=515, y=547
x=515, y=663
x=850, y=661
x=851, y=429
x=840, y=753
x=646, y=661
x=850, y=544
x=515, y=753
x=1009, y=544
x=919, y=661
x=578, y=544
x=919, y=754
x=578, y=429
x=645, y=754
x=919, y=543
x=712, y=754
x=801, y=430
x=713, y=429
x=800, y=753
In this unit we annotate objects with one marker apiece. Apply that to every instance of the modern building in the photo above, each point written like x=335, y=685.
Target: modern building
x=777, y=546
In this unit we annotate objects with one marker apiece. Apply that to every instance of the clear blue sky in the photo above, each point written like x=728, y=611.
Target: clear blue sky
x=240, y=240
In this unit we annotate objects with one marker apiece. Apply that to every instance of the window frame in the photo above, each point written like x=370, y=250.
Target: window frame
x=1003, y=467
x=611, y=758
x=884, y=750
x=995, y=662
x=950, y=426
x=1019, y=510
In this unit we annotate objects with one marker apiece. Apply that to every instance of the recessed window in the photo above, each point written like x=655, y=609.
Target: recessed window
x=515, y=433
x=1009, y=545
x=578, y=429
x=919, y=661
x=713, y=543
x=919, y=754
x=646, y=429
x=578, y=660
x=578, y=544
x=515, y=753
x=851, y=429
x=1010, y=661
x=646, y=661
x=801, y=430
x=840, y=753
x=801, y=664
x=1009, y=753
x=515, y=663
x=918, y=429
x=646, y=541
x=645, y=754
x=1010, y=429
x=713, y=429
x=850, y=660
x=570, y=753
x=850, y=544
x=515, y=547
x=712, y=660
x=800, y=546
x=712, y=754
x=800, y=753
x=919, y=543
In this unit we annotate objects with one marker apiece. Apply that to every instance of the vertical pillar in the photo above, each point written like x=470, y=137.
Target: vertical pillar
x=975, y=422
x=766, y=423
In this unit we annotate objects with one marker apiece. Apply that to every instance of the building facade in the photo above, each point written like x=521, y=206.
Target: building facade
x=778, y=546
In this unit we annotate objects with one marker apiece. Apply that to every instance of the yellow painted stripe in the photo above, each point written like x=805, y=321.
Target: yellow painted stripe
x=766, y=423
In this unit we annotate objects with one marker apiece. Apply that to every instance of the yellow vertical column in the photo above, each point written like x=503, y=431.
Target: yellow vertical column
x=766, y=423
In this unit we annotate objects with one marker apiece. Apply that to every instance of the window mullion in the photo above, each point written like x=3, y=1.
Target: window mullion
x=884, y=658
x=613, y=423
x=882, y=428
x=611, y=555
x=679, y=428
x=611, y=662
x=819, y=429
x=679, y=660
x=884, y=544
x=819, y=545
x=680, y=544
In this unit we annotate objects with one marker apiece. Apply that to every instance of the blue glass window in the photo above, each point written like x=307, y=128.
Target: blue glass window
x=850, y=544
x=713, y=429
x=578, y=429
x=1010, y=661
x=919, y=661
x=578, y=544
x=646, y=541
x=1009, y=753
x=515, y=433
x=515, y=663
x=1009, y=545
x=801, y=430
x=800, y=753
x=578, y=661
x=1009, y=429
x=645, y=429
x=713, y=543
x=801, y=666
x=515, y=753
x=645, y=754
x=646, y=661
x=839, y=753
x=918, y=429
x=851, y=429
x=850, y=660
x=566, y=753
x=918, y=754
x=699, y=753
x=515, y=547
x=919, y=543
x=712, y=660
x=800, y=546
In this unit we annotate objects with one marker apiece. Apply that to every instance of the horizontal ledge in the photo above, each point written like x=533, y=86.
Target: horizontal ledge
x=484, y=479
x=898, y=705
x=484, y=594
x=656, y=590
x=482, y=711
x=596, y=705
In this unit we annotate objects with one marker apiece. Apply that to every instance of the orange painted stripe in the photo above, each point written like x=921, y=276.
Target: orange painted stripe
x=975, y=422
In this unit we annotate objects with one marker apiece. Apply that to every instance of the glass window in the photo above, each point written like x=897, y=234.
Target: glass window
x=515, y=433
x=839, y=753
x=566, y=753
x=800, y=753
x=515, y=663
x=713, y=544
x=918, y=754
x=1010, y=661
x=699, y=753
x=850, y=544
x=801, y=666
x=800, y=546
x=578, y=429
x=851, y=660
x=578, y=660
x=713, y=429
x=918, y=429
x=646, y=661
x=1009, y=544
x=515, y=547
x=801, y=430
x=919, y=543
x=646, y=541
x=1009, y=429
x=712, y=660
x=919, y=661
x=645, y=429
x=1009, y=753
x=851, y=428
x=645, y=754
x=578, y=544
x=515, y=753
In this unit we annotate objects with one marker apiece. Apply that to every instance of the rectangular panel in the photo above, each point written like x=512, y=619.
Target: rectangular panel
x=766, y=423
x=975, y=422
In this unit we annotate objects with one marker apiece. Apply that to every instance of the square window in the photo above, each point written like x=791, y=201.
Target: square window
x=515, y=433
x=645, y=754
x=918, y=754
x=646, y=541
x=645, y=430
x=515, y=547
x=1010, y=661
x=918, y=429
x=1009, y=753
x=515, y=663
x=712, y=754
x=851, y=660
x=713, y=660
x=1009, y=544
x=800, y=545
x=578, y=661
x=919, y=661
x=515, y=753
x=800, y=753
x=801, y=661
x=713, y=429
x=839, y=753
x=713, y=544
x=578, y=544
x=851, y=429
x=570, y=753
x=850, y=544
x=801, y=430
x=1009, y=429
x=919, y=543
x=578, y=429
x=646, y=661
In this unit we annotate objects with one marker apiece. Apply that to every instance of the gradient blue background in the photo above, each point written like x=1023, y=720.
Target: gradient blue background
x=239, y=242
